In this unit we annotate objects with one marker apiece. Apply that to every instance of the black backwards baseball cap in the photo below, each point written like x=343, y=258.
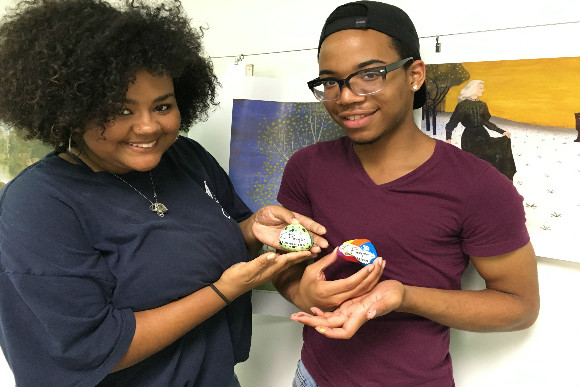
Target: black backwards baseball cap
x=382, y=17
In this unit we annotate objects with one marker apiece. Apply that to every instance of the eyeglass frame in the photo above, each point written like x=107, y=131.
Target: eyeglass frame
x=384, y=70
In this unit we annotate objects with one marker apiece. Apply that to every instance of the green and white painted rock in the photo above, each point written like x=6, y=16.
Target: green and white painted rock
x=295, y=237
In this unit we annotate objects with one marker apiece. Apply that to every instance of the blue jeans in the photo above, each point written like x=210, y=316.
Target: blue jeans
x=303, y=377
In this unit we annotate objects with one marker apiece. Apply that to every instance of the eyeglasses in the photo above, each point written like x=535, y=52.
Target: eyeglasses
x=363, y=82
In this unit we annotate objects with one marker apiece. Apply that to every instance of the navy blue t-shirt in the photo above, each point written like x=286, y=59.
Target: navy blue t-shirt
x=80, y=251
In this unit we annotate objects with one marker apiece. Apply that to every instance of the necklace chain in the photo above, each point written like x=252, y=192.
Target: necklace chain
x=156, y=207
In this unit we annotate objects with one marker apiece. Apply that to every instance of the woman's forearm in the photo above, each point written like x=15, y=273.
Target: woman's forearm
x=252, y=243
x=157, y=328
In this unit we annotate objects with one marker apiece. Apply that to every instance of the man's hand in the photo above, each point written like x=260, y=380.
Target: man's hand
x=268, y=221
x=345, y=321
x=315, y=290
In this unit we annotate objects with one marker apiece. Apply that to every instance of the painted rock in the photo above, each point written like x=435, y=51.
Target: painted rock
x=295, y=237
x=358, y=250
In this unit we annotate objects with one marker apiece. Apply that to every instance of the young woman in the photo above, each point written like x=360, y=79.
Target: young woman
x=125, y=254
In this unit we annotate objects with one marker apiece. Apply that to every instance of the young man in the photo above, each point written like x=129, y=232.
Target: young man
x=427, y=206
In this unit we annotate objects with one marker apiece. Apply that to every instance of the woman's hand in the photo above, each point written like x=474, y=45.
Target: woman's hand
x=507, y=134
x=268, y=221
x=244, y=276
x=345, y=321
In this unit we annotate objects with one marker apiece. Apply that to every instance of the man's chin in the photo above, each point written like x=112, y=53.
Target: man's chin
x=364, y=141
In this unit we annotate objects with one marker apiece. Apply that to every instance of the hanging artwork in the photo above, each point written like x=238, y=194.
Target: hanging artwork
x=267, y=127
x=264, y=136
x=522, y=117
x=17, y=153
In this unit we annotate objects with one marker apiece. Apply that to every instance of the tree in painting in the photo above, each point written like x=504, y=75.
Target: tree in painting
x=17, y=153
x=440, y=78
x=296, y=126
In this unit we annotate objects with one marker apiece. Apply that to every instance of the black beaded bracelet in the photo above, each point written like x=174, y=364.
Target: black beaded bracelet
x=220, y=294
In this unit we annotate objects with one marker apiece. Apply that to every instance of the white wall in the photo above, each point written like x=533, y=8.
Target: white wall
x=548, y=354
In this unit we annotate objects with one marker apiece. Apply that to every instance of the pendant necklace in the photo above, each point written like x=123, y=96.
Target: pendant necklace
x=156, y=207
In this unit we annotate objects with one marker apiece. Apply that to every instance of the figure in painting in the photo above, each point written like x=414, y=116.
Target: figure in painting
x=577, y=116
x=474, y=115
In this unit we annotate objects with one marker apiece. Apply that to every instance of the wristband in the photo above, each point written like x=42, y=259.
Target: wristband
x=220, y=294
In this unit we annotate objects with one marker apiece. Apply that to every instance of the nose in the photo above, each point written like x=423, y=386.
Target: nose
x=347, y=96
x=145, y=122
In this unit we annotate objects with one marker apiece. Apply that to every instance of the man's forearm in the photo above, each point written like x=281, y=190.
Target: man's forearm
x=288, y=285
x=471, y=310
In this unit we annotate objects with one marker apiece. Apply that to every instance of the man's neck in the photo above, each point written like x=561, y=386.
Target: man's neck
x=395, y=155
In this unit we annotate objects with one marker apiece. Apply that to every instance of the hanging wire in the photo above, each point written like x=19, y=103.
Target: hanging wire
x=421, y=37
x=262, y=53
x=501, y=29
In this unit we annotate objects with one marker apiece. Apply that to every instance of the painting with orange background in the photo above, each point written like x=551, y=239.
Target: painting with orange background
x=532, y=105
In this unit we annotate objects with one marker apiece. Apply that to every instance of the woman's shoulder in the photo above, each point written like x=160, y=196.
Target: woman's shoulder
x=191, y=157
x=185, y=148
x=471, y=102
x=45, y=178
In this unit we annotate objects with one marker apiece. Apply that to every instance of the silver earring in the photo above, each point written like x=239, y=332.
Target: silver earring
x=70, y=145
x=415, y=87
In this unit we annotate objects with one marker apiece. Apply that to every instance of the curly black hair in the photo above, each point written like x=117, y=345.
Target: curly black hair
x=67, y=63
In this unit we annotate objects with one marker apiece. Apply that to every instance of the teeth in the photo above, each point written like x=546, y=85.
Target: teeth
x=149, y=145
x=357, y=117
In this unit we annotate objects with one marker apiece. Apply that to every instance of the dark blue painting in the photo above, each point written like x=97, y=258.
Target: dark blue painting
x=264, y=136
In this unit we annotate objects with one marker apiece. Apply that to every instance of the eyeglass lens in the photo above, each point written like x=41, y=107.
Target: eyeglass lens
x=363, y=82
x=368, y=82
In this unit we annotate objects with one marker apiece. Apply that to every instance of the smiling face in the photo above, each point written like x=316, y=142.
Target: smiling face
x=366, y=119
x=137, y=138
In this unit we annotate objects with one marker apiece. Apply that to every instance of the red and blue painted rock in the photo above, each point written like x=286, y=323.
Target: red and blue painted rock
x=358, y=250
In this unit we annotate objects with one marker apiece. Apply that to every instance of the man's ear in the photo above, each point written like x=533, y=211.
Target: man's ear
x=417, y=73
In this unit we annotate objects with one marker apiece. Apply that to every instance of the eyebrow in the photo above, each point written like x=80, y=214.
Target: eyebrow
x=359, y=66
x=158, y=99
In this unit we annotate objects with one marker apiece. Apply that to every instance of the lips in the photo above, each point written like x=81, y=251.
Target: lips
x=355, y=120
x=355, y=117
x=143, y=145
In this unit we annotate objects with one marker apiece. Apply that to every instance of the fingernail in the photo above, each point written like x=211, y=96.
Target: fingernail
x=271, y=256
x=321, y=330
x=371, y=314
x=295, y=220
x=370, y=267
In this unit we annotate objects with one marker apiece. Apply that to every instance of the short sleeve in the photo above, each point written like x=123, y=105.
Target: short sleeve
x=293, y=192
x=58, y=325
x=202, y=165
x=494, y=217
x=226, y=193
